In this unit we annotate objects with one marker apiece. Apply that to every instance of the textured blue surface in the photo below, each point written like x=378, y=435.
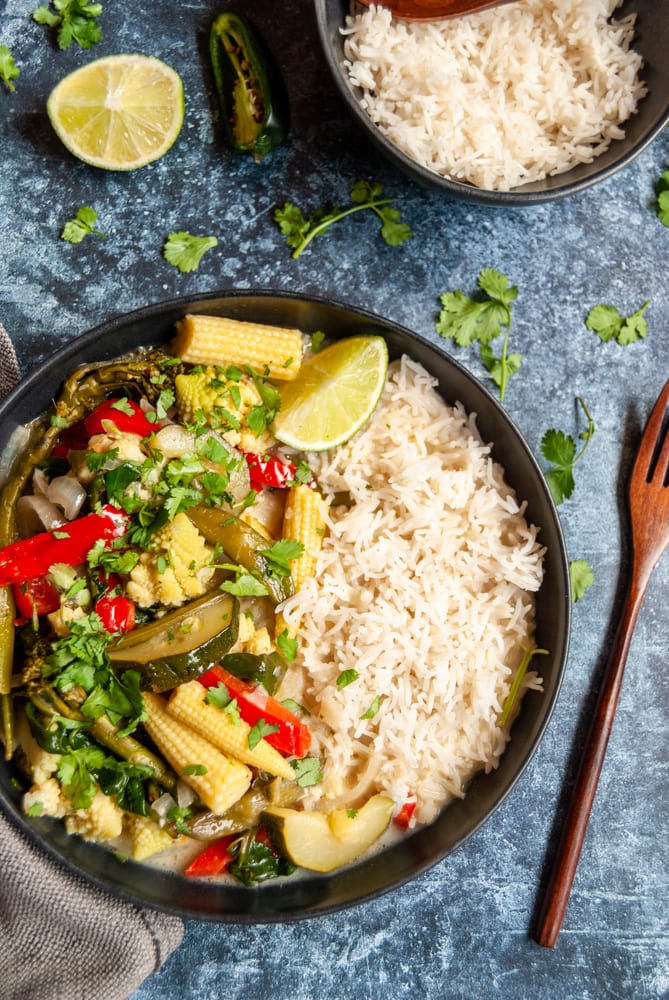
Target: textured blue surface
x=463, y=928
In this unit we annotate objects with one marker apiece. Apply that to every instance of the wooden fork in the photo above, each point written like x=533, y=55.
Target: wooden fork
x=649, y=515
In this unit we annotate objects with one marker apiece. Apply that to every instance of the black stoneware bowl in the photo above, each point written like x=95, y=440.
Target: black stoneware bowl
x=651, y=41
x=308, y=895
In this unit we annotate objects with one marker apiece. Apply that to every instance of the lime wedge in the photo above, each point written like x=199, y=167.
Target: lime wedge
x=335, y=392
x=118, y=113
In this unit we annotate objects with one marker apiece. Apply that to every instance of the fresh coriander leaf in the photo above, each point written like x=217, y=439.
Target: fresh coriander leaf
x=299, y=231
x=294, y=706
x=308, y=771
x=218, y=696
x=608, y=324
x=8, y=69
x=185, y=251
x=317, y=338
x=259, y=731
x=662, y=192
x=581, y=578
x=351, y=813
x=466, y=320
x=198, y=769
x=287, y=645
x=81, y=225
x=560, y=450
x=36, y=809
x=346, y=677
x=180, y=814
x=373, y=709
x=75, y=21
x=57, y=421
x=75, y=774
x=245, y=585
x=164, y=402
x=280, y=555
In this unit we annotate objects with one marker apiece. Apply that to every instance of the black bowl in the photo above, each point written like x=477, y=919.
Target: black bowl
x=302, y=896
x=651, y=41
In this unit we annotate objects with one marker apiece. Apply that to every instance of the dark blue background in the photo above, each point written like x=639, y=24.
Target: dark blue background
x=462, y=929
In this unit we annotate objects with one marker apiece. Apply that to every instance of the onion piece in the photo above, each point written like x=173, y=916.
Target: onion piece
x=162, y=805
x=35, y=514
x=185, y=794
x=68, y=494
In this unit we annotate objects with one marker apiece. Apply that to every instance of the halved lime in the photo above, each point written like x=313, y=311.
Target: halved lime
x=120, y=112
x=334, y=394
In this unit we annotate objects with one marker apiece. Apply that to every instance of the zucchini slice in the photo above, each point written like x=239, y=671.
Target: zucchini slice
x=181, y=645
x=321, y=841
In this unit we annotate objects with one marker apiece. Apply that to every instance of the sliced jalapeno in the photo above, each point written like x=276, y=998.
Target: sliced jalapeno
x=251, y=91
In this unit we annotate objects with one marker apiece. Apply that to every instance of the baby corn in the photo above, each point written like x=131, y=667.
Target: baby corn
x=303, y=520
x=274, y=351
x=188, y=705
x=224, y=781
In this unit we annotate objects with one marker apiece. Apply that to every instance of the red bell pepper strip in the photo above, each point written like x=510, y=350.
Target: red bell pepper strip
x=292, y=738
x=117, y=614
x=36, y=597
x=214, y=859
x=403, y=817
x=267, y=470
x=126, y=416
x=70, y=544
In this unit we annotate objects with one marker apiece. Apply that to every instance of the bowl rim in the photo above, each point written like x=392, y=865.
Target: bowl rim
x=104, y=875
x=516, y=197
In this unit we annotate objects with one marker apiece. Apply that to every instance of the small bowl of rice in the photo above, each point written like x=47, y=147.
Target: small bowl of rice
x=518, y=105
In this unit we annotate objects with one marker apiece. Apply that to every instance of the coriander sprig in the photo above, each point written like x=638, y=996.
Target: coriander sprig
x=74, y=20
x=185, y=251
x=466, y=320
x=300, y=230
x=581, y=578
x=561, y=450
x=608, y=324
x=8, y=69
x=81, y=225
x=662, y=196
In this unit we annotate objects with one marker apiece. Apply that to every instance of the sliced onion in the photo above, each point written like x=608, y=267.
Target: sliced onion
x=40, y=482
x=162, y=805
x=35, y=514
x=185, y=794
x=68, y=493
x=173, y=441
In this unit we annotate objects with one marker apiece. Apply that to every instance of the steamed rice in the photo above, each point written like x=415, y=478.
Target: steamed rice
x=502, y=97
x=424, y=586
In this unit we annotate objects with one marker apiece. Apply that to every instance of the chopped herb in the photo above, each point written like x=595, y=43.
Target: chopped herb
x=373, y=709
x=218, y=696
x=581, y=578
x=608, y=324
x=287, y=645
x=662, y=193
x=36, y=809
x=57, y=421
x=75, y=21
x=299, y=231
x=8, y=69
x=198, y=769
x=244, y=584
x=308, y=771
x=466, y=320
x=512, y=696
x=185, y=251
x=179, y=814
x=294, y=706
x=81, y=225
x=317, y=339
x=347, y=677
x=560, y=449
x=351, y=813
x=280, y=555
x=259, y=731
x=164, y=402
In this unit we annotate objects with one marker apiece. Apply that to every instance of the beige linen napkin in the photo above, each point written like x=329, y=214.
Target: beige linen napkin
x=59, y=936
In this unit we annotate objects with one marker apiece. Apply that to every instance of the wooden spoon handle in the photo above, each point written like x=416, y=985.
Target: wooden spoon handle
x=576, y=822
x=434, y=10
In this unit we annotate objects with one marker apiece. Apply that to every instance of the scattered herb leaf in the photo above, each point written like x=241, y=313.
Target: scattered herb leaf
x=8, y=69
x=512, y=696
x=75, y=21
x=346, y=677
x=373, y=709
x=662, y=192
x=560, y=449
x=185, y=251
x=308, y=771
x=81, y=225
x=608, y=324
x=259, y=731
x=581, y=578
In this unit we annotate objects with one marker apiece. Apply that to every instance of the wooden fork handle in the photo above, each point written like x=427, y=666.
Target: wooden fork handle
x=565, y=862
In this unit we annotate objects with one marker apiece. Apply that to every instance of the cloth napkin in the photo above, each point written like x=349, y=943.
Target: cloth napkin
x=59, y=936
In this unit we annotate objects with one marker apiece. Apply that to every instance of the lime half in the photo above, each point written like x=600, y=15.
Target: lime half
x=120, y=112
x=335, y=392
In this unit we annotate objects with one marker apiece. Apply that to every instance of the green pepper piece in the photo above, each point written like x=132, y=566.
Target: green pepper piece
x=251, y=91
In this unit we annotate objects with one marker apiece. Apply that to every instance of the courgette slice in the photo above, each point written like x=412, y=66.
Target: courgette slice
x=243, y=545
x=321, y=841
x=181, y=645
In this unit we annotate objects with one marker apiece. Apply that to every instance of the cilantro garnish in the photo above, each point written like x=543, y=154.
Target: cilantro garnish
x=36, y=809
x=179, y=814
x=8, y=69
x=260, y=731
x=317, y=338
x=244, y=584
x=75, y=21
x=308, y=771
x=287, y=645
x=221, y=698
x=299, y=231
x=185, y=251
x=512, y=696
x=466, y=320
x=560, y=449
x=198, y=769
x=294, y=707
x=608, y=324
x=346, y=677
x=581, y=578
x=81, y=225
x=662, y=193
x=351, y=813
x=373, y=709
x=280, y=555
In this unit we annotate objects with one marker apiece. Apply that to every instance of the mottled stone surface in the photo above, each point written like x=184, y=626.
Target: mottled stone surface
x=462, y=929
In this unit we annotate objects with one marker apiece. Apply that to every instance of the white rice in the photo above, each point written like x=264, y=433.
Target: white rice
x=423, y=586
x=502, y=97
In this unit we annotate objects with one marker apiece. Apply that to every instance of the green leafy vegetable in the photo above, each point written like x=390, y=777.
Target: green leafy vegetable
x=185, y=251
x=8, y=69
x=512, y=696
x=280, y=555
x=346, y=677
x=81, y=225
x=256, y=861
x=75, y=21
x=300, y=231
x=608, y=324
x=373, y=709
x=560, y=449
x=466, y=320
x=308, y=771
x=662, y=192
x=581, y=578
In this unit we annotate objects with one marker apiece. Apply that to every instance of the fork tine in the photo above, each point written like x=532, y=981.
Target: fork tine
x=650, y=439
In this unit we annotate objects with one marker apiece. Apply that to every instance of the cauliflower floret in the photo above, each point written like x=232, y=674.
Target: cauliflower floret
x=46, y=799
x=126, y=448
x=102, y=820
x=177, y=567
